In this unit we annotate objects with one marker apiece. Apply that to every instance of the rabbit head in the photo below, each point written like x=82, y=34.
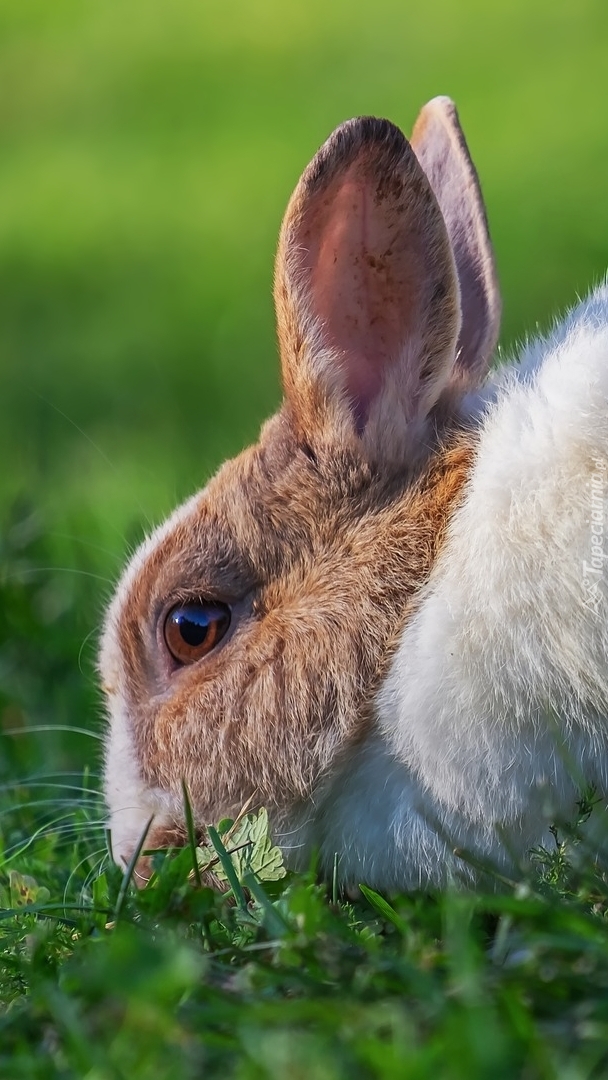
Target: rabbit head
x=247, y=638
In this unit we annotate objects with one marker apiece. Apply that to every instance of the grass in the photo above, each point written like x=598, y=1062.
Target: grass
x=280, y=975
x=277, y=978
x=146, y=154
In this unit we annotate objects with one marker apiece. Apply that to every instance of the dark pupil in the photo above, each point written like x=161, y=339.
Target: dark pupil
x=193, y=623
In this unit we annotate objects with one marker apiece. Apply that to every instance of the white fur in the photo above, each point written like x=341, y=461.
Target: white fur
x=390, y=833
x=131, y=804
x=496, y=702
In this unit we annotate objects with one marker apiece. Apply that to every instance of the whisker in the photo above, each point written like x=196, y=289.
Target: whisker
x=66, y=835
x=65, y=804
x=88, y=543
x=99, y=857
x=82, y=648
x=79, y=829
x=92, y=443
x=51, y=780
x=17, y=784
x=96, y=871
x=36, y=729
x=54, y=825
x=75, y=869
x=27, y=570
x=298, y=828
x=122, y=809
x=56, y=772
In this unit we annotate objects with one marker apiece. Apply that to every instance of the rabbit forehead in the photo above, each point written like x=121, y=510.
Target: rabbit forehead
x=212, y=544
x=271, y=507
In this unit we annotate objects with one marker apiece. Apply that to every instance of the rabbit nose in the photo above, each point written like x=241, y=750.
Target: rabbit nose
x=159, y=838
x=142, y=871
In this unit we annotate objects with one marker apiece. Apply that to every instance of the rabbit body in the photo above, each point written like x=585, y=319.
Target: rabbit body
x=492, y=718
x=387, y=620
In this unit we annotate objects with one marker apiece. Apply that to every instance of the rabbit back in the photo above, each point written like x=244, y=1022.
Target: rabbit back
x=498, y=692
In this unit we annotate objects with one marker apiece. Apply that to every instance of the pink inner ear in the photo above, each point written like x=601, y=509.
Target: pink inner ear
x=364, y=289
x=442, y=151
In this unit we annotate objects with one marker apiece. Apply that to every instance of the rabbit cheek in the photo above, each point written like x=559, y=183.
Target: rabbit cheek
x=132, y=804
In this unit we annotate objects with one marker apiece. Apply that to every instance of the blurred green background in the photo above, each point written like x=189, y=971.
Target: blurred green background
x=147, y=150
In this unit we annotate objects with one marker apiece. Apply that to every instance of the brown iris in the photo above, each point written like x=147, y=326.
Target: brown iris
x=193, y=630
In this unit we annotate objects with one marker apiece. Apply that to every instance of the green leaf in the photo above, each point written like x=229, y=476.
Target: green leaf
x=250, y=848
x=206, y=858
x=253, y=850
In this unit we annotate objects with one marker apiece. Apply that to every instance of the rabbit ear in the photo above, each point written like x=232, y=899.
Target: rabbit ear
x=443, y=153
x=366, y=291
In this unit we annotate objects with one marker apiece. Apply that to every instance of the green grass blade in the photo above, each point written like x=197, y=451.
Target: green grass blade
x=383, y=908
x=275, y=922
x=228, y=867
x=128, y=874
x=191, y=834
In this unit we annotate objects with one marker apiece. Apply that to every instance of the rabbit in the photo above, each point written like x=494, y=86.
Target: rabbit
x=386, y=621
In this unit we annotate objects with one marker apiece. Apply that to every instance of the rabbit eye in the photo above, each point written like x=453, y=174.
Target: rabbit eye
x=193, y=630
